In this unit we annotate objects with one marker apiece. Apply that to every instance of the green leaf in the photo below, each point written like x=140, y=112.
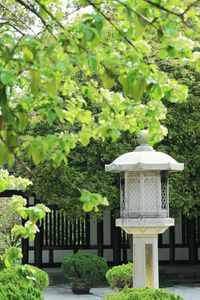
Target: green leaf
x=6, y=78
x=2, y=185
x=52, y=86
x=85, y=116
x=133, y=87
x=138, y=89
x=92, y=201
x=4, y=154
x=37, y=152
x=107, y=80
x=35, y=81
x=28, y=54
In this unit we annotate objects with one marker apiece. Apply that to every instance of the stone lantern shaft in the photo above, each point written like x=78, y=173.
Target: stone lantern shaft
x=144, y=205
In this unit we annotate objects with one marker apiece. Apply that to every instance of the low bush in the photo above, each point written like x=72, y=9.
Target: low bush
x=86, y=268
x=26, y=276
x=17, y=292
x=143, y=294
x=40, y=277
x=120, y=276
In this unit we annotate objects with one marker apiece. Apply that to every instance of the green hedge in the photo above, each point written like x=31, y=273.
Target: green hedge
x=120, y=276
x=26, y=276
x=87, y=268
x=11, y=291
x=143, y=294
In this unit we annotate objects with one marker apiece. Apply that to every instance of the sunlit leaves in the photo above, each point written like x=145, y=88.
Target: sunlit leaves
x=10, y=182
x=35, y=81
x=28, y=54
x=32, y=215
x=6, y=76
x=56, y=75
x=107, y=80
x=11, y=256
x=92, y=201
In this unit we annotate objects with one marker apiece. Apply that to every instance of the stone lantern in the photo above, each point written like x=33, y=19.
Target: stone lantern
x=144, y=205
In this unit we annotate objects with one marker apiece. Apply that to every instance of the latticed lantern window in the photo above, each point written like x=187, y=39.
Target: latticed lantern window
x=122, y=191
x=164, y=191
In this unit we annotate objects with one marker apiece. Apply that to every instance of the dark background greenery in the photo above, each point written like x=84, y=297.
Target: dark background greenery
x=183, y=142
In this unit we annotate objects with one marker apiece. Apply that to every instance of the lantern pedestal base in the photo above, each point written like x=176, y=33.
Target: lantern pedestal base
x=145, y=248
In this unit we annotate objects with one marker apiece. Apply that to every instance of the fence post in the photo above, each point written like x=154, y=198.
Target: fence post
x=25, y=248
x=38, y=248
x=100, y=238
x=172, y=244
x=192, y=242
x=116, y=242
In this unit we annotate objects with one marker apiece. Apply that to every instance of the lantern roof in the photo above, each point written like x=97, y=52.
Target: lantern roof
x=144, y=157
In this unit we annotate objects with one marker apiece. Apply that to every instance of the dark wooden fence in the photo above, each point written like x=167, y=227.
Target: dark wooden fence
x=59, y=236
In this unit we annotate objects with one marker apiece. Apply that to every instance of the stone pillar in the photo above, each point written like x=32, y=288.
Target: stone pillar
x=145, y=261
x=145, y=248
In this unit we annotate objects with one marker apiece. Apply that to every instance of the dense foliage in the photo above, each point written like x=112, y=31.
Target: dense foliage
x=143, y=294
x=9, y=291
x=31, y=216
x=7, y=221
x=89, y=72
x=120, y=276
x=85, y=268
x=26, y=276
x=85, y=169
x=182, y=142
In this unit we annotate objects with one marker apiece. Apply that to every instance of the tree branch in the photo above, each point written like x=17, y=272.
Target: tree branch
x=11, y=13
x=32, y=9
x=179, y=15
x=137, y=14
x=163, y=8
x=116, y=28
x=190, y=6
x=49, y=13
x=13, y=26
x=16, y=157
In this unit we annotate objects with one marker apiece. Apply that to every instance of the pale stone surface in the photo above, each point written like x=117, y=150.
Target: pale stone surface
x=157, y=224
x=144, y=158
x=144, y=205
x=63, y=293
x=145, y=261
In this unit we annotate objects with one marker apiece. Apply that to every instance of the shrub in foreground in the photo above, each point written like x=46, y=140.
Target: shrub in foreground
x=84, y=271
x=26, y=276
x=87, y=268
x=120, y=276
x=17, y=292
x=143, y=294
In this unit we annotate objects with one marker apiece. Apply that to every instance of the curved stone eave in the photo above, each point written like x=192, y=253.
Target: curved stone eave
x=144, y=167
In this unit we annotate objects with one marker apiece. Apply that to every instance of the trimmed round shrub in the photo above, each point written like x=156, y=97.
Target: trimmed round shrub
x=17, y=292
x=143, y=294
x=120, y=276
x=85, y=268
x=26, y=276
x=40, y=277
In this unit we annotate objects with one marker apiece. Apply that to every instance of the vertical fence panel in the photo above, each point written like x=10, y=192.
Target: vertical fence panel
x=60, y=234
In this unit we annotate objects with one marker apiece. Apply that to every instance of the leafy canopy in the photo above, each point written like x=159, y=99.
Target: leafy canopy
x=89, y=71
x=66, y=69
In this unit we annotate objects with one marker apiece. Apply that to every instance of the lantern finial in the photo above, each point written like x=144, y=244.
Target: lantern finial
x=143, y=137
x=143, y=141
